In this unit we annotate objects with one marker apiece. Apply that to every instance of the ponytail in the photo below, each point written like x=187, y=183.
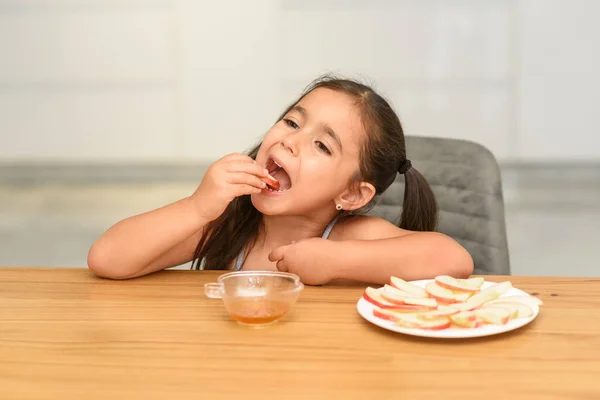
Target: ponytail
x=419, y=210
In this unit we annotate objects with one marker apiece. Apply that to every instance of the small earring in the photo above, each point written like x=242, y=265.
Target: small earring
x=338, y=207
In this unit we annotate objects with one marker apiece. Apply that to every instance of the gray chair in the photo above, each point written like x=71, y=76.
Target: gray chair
x=465, y=178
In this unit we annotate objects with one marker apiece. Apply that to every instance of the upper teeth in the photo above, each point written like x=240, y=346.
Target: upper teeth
x=277, y=164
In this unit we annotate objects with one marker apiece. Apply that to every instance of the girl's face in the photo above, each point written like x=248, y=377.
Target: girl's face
x=313, y=152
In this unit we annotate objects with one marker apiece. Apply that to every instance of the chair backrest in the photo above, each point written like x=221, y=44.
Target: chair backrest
x=465, y=178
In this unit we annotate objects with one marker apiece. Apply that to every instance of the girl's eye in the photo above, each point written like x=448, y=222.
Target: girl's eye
x=322, y=147
x=291, y=124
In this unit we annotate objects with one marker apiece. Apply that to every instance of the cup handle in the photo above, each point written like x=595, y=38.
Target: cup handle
x=213, y=290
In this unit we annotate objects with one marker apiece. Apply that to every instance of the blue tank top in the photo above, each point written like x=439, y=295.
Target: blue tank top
x=239, y=262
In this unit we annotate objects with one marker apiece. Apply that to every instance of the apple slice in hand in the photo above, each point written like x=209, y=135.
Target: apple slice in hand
x=272, y=182
x=494, y=315
x=401, y=284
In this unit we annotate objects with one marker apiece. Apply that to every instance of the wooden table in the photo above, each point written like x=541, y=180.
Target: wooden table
x=65, y=334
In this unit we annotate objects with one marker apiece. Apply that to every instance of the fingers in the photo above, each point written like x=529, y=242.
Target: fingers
x=246, y=179
x=281, y=266
x=233, y=157
x=248, y=168
x=247, y=173
x=277, y=254
x=241, y=190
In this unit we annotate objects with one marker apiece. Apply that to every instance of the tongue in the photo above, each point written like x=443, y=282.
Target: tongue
x=284, y=179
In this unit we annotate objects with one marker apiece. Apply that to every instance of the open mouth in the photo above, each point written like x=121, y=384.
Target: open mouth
x=280, y=175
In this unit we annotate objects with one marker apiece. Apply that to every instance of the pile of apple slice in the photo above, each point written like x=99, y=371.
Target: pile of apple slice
x=448, y=302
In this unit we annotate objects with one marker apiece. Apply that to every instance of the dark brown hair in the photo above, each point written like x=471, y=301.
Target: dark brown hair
x=382, y=155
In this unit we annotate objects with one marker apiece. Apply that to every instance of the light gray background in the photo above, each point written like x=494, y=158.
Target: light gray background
x=132, y=85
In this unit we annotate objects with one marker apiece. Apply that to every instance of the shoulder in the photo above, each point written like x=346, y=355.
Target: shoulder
x=363, y=227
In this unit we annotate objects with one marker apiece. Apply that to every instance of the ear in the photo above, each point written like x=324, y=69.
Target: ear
x=356, y=196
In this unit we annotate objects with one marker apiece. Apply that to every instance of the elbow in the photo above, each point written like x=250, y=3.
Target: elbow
x=98, y=261
x=457, y=262
x=102, y=264
x=463, y=264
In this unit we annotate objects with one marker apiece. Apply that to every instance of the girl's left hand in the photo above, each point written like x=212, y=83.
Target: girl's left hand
x=310, y=259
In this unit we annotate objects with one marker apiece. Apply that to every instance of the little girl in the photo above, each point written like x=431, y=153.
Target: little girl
x=294, y=203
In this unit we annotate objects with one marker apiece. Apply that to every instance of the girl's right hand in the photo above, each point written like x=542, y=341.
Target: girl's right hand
x=232, y=176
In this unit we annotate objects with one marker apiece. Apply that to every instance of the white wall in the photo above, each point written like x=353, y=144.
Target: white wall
x=142, y=80
x=559, y=71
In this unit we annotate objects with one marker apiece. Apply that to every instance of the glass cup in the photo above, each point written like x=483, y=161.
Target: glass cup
x=256, y=298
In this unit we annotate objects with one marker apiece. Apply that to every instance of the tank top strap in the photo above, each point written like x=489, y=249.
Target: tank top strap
x=329, y=227
x=239, y=262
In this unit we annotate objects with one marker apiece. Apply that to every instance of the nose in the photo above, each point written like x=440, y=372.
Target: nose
x=290, y=144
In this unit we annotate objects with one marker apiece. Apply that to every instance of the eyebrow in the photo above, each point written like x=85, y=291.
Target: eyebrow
x=301, y=110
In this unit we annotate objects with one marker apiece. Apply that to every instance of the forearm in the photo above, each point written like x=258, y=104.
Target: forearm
x=134, y=243
x=422, y=255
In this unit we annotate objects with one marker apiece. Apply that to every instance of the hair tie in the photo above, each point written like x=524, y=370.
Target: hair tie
x=402, y=169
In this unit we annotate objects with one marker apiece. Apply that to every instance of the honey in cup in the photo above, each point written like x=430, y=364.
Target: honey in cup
x=256, y=310
x=256, y=298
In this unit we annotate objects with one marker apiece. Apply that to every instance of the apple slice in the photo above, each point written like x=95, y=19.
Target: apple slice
x=494, y=315
x=514, y=311
x=439, y=293
x=394, y=295
x=436, y=325
x=499, y=289
x=401, y=284
x=396, y=291
x=385, y=314
x=467, y=306
x=272, y=182
x=491, y=293
x=397, y=296
x=421, y=301
x=520, y=310
x=391, y=314
x=374, y=297
x=466, y=319
x=461, y=297
x=441, y=312
x=412, y=321
x=451, y=283
x=526, y=300
x=473, y=283
x=478, y=299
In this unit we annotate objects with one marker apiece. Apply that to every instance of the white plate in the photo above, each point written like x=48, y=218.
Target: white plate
x=365, y=309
